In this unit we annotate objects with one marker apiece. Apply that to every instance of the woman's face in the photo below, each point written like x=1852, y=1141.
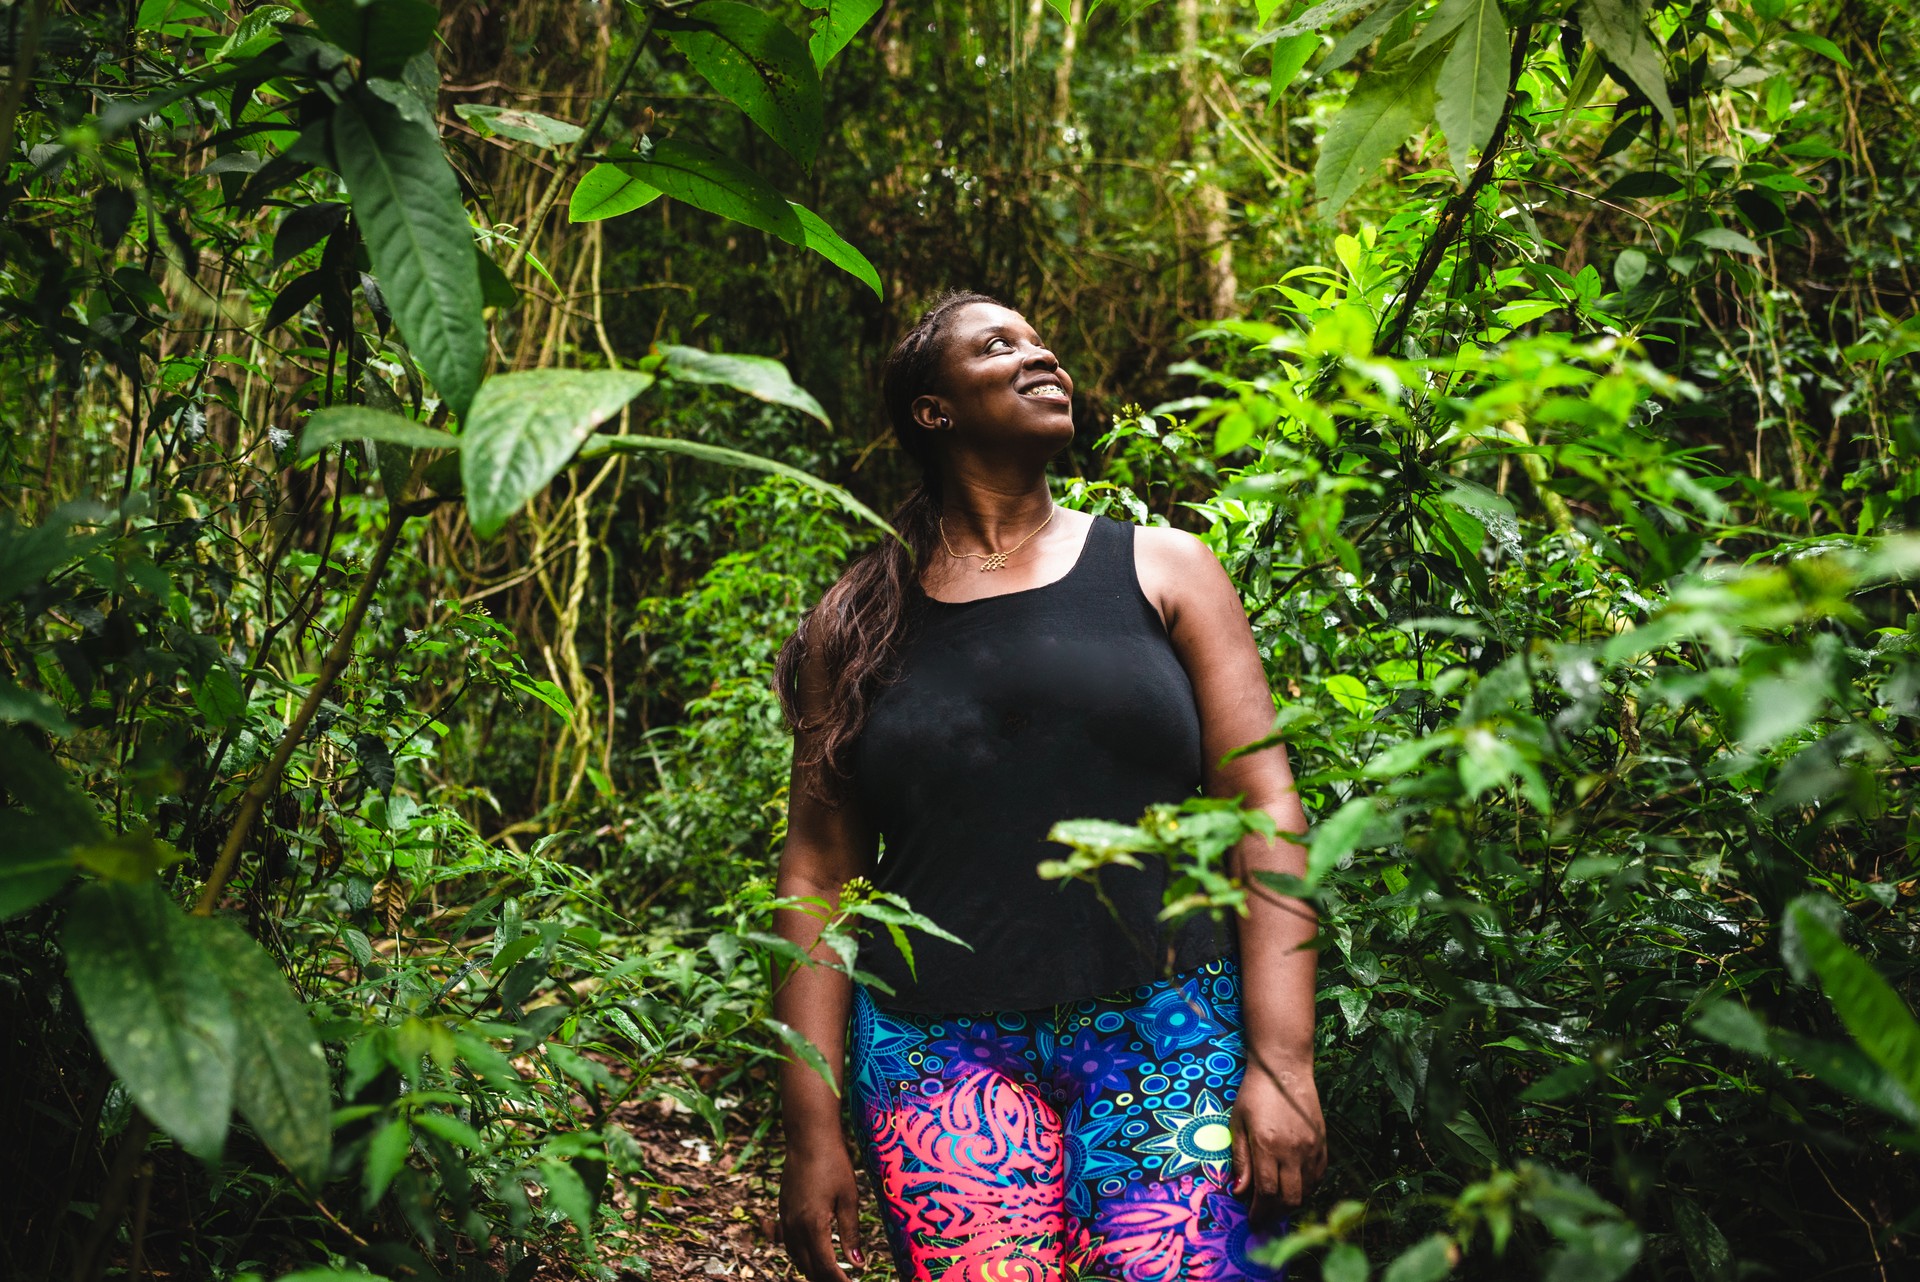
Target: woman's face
x=999, y=384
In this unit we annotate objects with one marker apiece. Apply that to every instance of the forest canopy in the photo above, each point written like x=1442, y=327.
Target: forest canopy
x=426, y=422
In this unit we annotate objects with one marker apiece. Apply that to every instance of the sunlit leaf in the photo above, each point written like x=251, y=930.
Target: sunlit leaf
x=523, y=429
x=757, y=64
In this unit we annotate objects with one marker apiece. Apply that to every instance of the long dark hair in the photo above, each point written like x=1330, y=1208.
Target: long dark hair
x=854, y=631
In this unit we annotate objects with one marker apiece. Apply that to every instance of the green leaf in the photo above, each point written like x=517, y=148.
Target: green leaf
x=450, y=1129
x=1446, y=20
x=757, y=376
x=1365, y=31
x=758, y=65
x=1427, y=1260
x=35, y=861
x=1618, y=28
x=130, y=857
x=1817, y=44
x=1344, y=1263
x=1879, y=1021
x=826, y=242
x=18, y=704
x=1725, y=238
x=386, y=1154
x=281, y=1084
x=522, y=126
x=407, y=205
x=1315, y=19
x=737, y=458
x=339, y=423
x=524, y=427
x=1473, y=84
x=567, y=1193
x=835, y=28
x=707, y=180
x=1337, y=836
x=153, y=1000
x=607, y=191
x=1388, y=103
x=1289, y=56
x=332, y=1275
x=1629, y=269
x=809, y=1053
x=383, y=34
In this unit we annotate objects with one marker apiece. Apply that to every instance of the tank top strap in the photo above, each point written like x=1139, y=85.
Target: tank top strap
x=1107, y=562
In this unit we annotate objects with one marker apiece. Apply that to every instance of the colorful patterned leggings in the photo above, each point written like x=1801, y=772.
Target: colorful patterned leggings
x=1085, y=1141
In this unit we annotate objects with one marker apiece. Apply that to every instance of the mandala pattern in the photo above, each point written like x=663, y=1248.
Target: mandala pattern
x=1089, y=1141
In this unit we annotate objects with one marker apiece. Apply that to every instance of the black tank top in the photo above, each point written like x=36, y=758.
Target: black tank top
x=1008, y=714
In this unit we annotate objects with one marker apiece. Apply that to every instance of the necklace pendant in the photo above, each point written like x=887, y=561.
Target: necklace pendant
x=993, y=562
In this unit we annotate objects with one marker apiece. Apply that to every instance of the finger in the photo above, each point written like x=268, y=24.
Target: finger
x=1239, y=1159
x=850, y=1229
x=826, y=1268
x=1293, y=1185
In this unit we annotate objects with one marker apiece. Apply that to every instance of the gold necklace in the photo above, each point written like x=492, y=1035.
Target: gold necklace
x=994, y=560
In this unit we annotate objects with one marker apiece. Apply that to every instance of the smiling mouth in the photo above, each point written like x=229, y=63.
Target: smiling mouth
x=1047, y=392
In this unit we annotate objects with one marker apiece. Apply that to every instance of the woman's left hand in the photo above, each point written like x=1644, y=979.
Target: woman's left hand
x=1279, y=1139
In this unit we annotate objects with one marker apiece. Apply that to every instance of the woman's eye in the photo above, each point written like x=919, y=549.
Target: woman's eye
x=1001, y=341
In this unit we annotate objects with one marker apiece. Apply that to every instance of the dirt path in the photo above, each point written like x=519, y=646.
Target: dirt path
x=710, y=1214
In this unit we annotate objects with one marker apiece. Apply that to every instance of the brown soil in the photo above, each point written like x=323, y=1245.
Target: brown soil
x=706, y=1213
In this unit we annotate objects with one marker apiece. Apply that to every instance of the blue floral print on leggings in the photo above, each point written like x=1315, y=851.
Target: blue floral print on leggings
x=1085, y=1141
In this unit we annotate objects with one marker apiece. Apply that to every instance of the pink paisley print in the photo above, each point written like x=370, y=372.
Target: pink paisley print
x=1080, y=1145
x=979, y=1166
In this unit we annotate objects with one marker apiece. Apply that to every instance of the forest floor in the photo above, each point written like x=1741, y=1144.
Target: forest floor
x=709, y=1213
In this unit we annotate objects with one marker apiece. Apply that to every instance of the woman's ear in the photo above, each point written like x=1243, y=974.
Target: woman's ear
x=927, y=412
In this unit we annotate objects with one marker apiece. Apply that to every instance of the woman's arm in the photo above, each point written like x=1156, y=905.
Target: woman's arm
x=1279, y=1136
x=825, y=847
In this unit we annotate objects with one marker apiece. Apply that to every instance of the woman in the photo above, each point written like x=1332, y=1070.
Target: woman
x=1077, y=1092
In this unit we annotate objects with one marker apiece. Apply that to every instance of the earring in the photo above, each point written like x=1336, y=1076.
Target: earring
x=945, y=422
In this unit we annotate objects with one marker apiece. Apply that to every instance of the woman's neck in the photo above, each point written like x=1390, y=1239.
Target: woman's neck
x=982, y=512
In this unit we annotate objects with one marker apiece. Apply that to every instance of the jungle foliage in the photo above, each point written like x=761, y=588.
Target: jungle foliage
x=427, y=421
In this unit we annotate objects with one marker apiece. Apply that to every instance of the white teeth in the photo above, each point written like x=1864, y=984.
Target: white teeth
x=1049, y=391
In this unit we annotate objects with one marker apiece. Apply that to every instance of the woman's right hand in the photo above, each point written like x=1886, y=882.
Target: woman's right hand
x=817, y=1195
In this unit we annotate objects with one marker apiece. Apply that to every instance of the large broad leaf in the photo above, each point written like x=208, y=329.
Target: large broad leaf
x=1618, y=29
x=154, y=1001
x=407, y=204
x=733, y=458
x=708, y=180
x=523, y=429
x=760, y=376
x=833, y=29
x=1473, y=84
x=280, y=1077
x=383, y=34
x=1313, y=20
x=525, y=126
x=607, y=191
x=359, y=423
x=1388, y=103
x=760, y=66
x=825, y=241
x=1866, y=1003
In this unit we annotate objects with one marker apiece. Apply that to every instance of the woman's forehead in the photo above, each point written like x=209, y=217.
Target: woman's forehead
x=978, y=318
